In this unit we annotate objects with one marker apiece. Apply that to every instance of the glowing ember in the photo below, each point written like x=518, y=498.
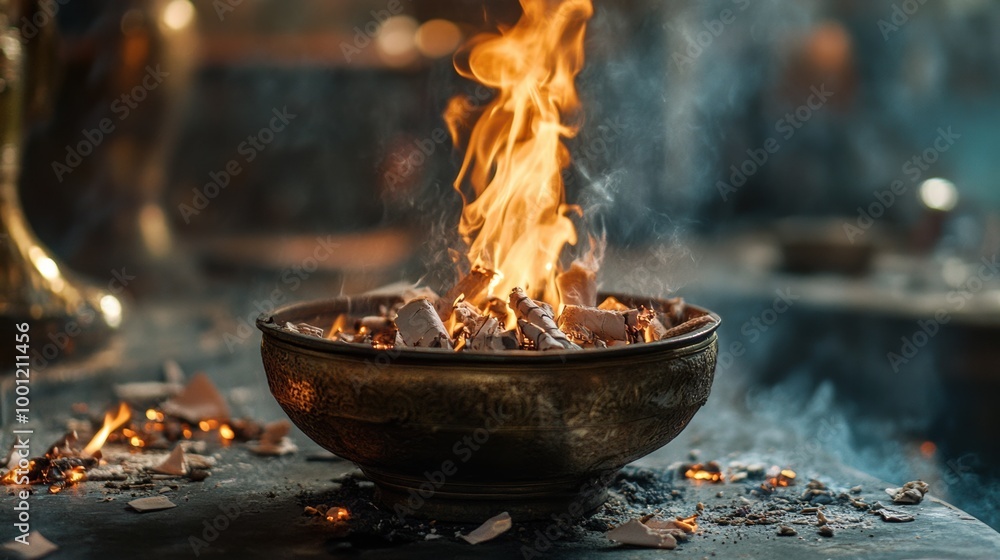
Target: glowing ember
x=928, y=449
x=333, y=514
x=785, y=477
x=710, y=472
x=111, y=423
x=337, y=514
x=226, y=433
x=516, y=221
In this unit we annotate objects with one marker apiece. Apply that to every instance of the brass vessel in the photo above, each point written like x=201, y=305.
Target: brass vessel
x=463, y=436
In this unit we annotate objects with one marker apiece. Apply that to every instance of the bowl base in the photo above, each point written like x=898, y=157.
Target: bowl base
x=561, y=500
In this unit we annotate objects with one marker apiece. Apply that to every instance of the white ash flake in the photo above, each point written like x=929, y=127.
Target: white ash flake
x=37, y=546
x=491, y=529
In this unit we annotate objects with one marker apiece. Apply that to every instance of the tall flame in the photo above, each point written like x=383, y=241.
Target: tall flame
x=517, y=223
x=111, y=423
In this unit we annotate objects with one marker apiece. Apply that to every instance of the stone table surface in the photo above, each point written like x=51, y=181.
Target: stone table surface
x=265, y=497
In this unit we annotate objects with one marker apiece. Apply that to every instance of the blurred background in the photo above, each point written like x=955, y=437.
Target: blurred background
x=820, y=173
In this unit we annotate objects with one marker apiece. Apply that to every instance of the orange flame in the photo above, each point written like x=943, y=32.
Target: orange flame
x=76, y=475
x=689, y=524
x=517, y=221
x=111, y=423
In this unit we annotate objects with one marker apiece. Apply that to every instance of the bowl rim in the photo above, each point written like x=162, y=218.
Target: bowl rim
x=270, y=324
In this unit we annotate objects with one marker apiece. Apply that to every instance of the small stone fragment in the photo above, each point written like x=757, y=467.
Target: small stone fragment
x=826, y=531
x=786, y=531
x=893, y=516
x=911, y=493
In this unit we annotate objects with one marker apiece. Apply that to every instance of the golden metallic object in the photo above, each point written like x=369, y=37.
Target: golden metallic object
x=464, y=436
x=65, y=314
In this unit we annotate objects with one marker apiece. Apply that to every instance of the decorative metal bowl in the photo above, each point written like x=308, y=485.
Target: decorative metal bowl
x=464, y=436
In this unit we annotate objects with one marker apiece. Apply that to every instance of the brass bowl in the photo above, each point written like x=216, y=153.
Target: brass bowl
x=464, y=436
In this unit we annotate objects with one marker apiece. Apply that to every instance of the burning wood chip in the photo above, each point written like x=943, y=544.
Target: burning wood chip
x=578, y=285
x=654, y=533
x=373, y=324
x=655, y=330
x=911, y=493
x=274, y=441
x=611, y=303
x=467, y=315
x=468, y=288
x=537, y=324
x=174, y=464
x=306, y=328
x=491, y=529
x=200, y=400
x=688, y=326
x=586, y=323
x=156, y=503
x=679, y=527
x=420, y=326
x=30, y=546
x=489, y=336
